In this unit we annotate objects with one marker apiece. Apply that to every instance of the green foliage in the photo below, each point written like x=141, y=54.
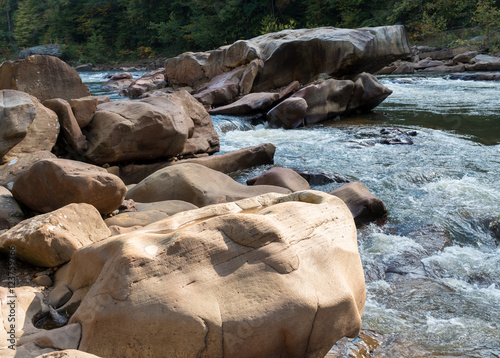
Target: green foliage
x=111, y=30
x=487, y=16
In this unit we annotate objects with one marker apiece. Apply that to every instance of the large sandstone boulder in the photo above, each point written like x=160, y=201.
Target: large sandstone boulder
x=303, y=54
x=186, y=69
x=148, y=82
x=269, y=276
x=288, y=114
x=152, y=128
x=249, y=104
x=364, y=206
x=367, y=94
x=226, y=163
x=195, y=184
x=119, y=80
x=221, y=89
x=42, y=133
x=325, y=100
x=44, y=77
x=50, y=184
x=84, y=109
x=49, y=50
x=17, y=112
x=70, y=127
x=49, y=240
x=284, y=177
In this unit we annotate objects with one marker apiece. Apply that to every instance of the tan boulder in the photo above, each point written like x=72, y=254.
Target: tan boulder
x=131, y=219
x=326, y=100
x=288, y=114
x=50, y=184
x=195, y=184
x=254, y=278
x=42, y=133
x=152, y=128
x=186, y=69
x=10, y=171
x=283, y=177
x=49, y=240
x=169, y=207
x=17, y=112
x=70, y=127
x=364, y=206
x=248, y=77
x=44, y=77
x=368, y=93
x=249, y=104
x=119, y=80
x=10, y=212
x=84, y=109
x=221, y=89
x=226, y=163
x=305, y=53
x=148, y=82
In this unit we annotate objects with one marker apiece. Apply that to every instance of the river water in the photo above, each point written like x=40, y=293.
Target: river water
x=424, y=302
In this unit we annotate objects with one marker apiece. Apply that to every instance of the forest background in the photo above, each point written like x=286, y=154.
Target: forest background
x=103, y=31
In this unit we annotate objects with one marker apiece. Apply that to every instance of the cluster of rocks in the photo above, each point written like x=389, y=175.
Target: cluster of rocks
x=294, y=77
x=425, y=59
x=145, y=236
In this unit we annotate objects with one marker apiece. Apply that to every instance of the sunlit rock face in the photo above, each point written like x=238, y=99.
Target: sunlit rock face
x=269, y=276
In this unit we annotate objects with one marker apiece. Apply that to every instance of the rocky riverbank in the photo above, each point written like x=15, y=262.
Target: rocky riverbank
x=139, y=230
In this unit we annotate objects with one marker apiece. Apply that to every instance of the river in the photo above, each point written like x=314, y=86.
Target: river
x=422, y=301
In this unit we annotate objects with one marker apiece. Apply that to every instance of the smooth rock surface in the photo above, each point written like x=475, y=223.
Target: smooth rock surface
x=44, y=77
x=11, y=170
x=50, y=184
x=283, y=177
x=288, y=114
x=84, y=109
x=270, y=276
x=11, y=213
x=195, y=184
x=50, y=239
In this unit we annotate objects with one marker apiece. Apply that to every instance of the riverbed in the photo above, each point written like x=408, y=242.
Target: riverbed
x=443, y=191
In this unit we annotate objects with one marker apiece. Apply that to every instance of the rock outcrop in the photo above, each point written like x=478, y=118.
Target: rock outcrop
x=152, y=128
x=50, y=184
x=268, y=276
x=50, y=239
x=195, y=184
x=44, y=77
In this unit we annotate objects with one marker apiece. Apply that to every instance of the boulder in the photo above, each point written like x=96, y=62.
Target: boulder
x=227, y=58
x=53, y=183
x=70, y=128
x=283, y=177
x=484, y=63
x=10, y=212
x=119, y=80
x=288, y=114
x=17, y=112
x=152, y=128
x=303, y=54
x=404, y=68
x=367, y=94
x=445, y=54
x=169, y=207
x=48, y=50
x=226, y=163
x=426, y=63
x=364, y=206
x=131, y=219
x=475, y=77
x=44, y=77
x=222, y=89
x=270, y=276
x=42, y=133
x=464, y=57
x=84, y=109
x=326, y=100
x=248, y=77
x=49, y=240
x=249, y=104
x=459, y=67
x=148, y=82
x=186, y=69
x=84, y=68
x=10, y=171
x=195, y=184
